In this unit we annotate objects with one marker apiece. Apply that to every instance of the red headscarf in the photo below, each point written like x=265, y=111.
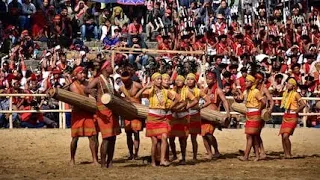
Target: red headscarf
x=77, y=70
x=106, y=64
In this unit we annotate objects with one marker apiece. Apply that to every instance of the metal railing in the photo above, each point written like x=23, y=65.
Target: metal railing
x=62, y=110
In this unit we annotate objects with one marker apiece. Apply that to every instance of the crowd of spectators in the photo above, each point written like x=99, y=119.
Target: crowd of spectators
x=283, y=38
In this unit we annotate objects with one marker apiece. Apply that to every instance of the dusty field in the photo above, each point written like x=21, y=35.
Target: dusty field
x=44, y=154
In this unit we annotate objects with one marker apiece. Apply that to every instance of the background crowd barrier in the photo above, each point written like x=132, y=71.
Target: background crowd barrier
x=62, y=110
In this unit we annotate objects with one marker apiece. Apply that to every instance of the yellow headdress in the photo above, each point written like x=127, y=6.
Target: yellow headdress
x=292, y=81
x=117, y=9
x=253, y=80
x=250, y=78
x=165, y=75
x=155, y=75
x=289, y=96
x=191, y=75
x=180, y=78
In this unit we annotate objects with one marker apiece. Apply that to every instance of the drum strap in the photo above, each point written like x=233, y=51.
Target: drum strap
x=107, y=83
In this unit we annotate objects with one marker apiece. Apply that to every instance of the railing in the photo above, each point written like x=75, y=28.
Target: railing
x=62, y=110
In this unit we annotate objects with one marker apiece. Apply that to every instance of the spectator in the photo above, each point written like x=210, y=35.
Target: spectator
x=28, y=9
x=135, y=29
x=15, y=10
x=137, y=60
x=119, y=17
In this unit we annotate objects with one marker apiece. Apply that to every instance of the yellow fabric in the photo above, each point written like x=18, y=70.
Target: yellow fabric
x=250, y=78
x=288, y=100
x=196, y=92
x=117, y=9
x=181, y=78
x=292, y=81
x=254, y=102
x=185, y=94
x=191, y=75
x=169, y=101
x=165, y=76
x=155, y=75
x=158, y=101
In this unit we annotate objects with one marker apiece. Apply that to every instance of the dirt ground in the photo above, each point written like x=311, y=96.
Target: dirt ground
x=44, y=154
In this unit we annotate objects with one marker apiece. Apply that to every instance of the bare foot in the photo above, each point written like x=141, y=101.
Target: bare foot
x=165, y=164
x=72, y=162
x=130, y=157
x=135, y=157
x=288, y=157
x=95, y=163
x=109, y=165
x=182, y=162
x=217, y=155
x=256, y=159
x=153, y=164
x=242, y=158
x=174, y=158
x=209, y=156
x=263, y=156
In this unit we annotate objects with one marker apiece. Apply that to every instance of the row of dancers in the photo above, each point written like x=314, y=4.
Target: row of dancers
x=175, y=113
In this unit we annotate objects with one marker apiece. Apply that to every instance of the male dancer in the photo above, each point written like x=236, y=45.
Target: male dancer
x=132, y=127
x=82, y=123
x=207, y=128
x=107, y=121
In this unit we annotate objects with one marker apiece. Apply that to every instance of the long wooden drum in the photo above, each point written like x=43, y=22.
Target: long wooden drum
x=124, y=108
x=74, y=99
x=265, y=115
x=215, y=116
x=239, y=107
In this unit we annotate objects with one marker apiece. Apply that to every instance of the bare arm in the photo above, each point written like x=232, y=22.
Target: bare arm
x=175, y=98
x=90, y=89
x=301, y=103
x=224, y=101
x=74, y=89
x=259, y=97
x=193, y=102
x=142, y=92
x=206, y=99
x=269, y=99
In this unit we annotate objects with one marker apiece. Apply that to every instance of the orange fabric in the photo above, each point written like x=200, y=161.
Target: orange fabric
x=195, y=124
x=156, y=125
x=179, y=126
x=207, y=127
x=253, y=124
x=82, y=124
x=289, y=123
x=107, y=122
x=133, y=125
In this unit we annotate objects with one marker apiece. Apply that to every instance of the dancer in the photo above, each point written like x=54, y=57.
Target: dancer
x=132, y=127
x=108, y=122
x=179, y=125
x=82, y=122
x=157, y=126
x=254, y=103
x=207, y=127
x=293, y=104
x=269, y=105
x=194, y=113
